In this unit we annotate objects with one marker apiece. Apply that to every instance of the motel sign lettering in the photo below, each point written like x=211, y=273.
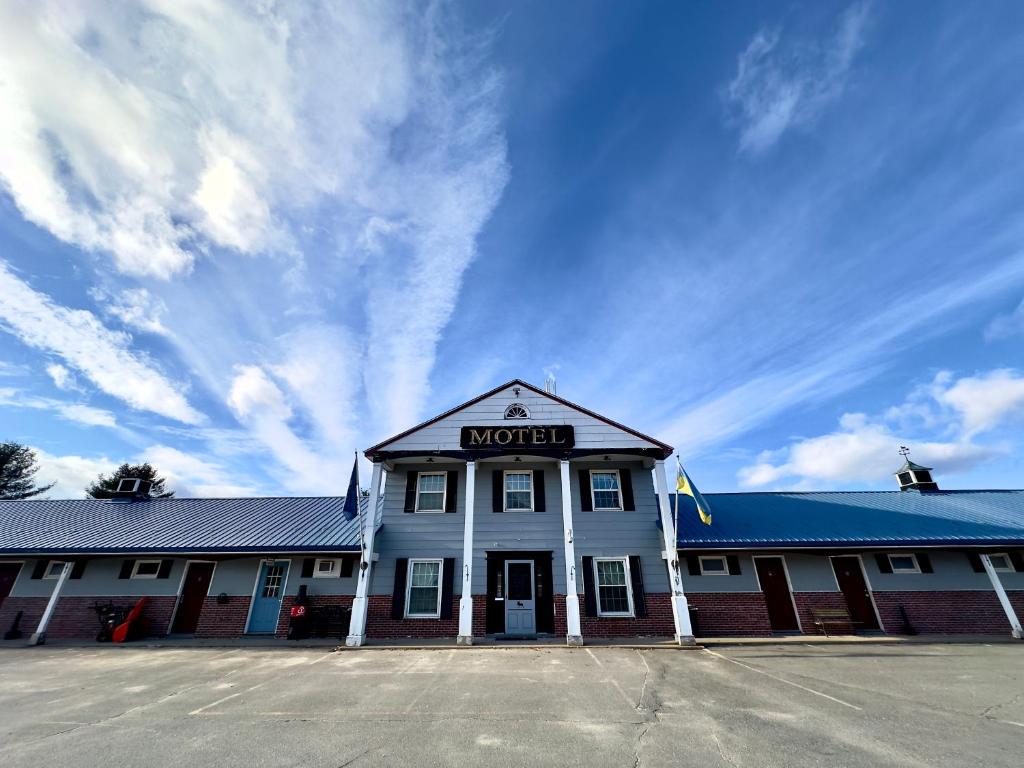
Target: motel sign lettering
x=550, y=437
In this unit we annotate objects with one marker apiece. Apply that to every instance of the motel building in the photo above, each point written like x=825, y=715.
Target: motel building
x=517, y=515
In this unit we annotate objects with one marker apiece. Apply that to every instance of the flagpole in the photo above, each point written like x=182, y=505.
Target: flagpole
x=359, y=511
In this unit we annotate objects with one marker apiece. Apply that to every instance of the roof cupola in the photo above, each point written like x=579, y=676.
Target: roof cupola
x=914, y=477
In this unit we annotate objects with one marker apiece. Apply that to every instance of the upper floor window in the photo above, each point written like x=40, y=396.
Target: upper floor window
x=606, y=489
x=517, y=411
x=904, y=563
x=430, y=492
x=518, y=491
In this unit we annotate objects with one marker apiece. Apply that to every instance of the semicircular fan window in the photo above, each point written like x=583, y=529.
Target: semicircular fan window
x=517, y=411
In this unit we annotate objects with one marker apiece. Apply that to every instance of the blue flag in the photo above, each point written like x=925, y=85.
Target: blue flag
x=351, y=508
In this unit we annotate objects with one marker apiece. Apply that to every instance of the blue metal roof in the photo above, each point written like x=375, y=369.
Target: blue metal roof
x=855, y=518
x=285, y=524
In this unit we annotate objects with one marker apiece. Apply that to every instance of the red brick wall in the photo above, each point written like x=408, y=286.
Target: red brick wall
x=657, y=623
x=223, y=620
x=805, y=601
x=75, y=619
x=951, y=612
x=379, y=623
x=730, y=613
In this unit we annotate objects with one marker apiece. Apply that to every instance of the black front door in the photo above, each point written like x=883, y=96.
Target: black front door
x=777, y=597
x=8, y=574
x=855, y=589
x=193, y=595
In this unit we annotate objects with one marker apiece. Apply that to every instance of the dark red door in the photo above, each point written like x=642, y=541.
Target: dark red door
x=8, y=573
x=193, y=593
x=855, y=590
x=777, y=597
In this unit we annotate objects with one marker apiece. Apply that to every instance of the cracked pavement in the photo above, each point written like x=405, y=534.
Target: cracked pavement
x=785, y=705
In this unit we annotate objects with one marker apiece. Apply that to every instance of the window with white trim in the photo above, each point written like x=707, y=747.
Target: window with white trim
x=146, y=569
x=713, y=565
x=517, y=411
x=518, y=491
x=325, y=569
x=53, y=569
x=904, y=563
x=1001, y=562
x=605, y=489
x=431, y=491
x=423, y=592
x=614, y=591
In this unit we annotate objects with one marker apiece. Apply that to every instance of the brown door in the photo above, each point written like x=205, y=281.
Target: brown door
x=8, y=573
x=193, y=593
x=855, y=590
x=772, y=575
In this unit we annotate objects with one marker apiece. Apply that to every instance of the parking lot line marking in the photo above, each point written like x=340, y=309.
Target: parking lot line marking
x=614, y=682
x=787, y=682
x=226, y=698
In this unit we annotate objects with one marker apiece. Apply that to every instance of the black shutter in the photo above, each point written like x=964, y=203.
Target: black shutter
x=347, y=565
x=78, y=569
x=40, y=569
x=165, y=569
x=307, y=567
x=497, y=495
x=447, y=587
x=495, y=609
x=924, y=562
x=626, y=478
x=586, y=502
x=545, y=594
x=451, y=489
x=733, y=561
x=410, y=492
x=636, y=576
x=975, y=560
x=589, y=589
x=693, y=565
x=539, y=503
x=1017, y=561
x=398, y=596
x=126, y=569
x=883, y=562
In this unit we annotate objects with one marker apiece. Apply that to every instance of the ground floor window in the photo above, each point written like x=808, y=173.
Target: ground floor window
x=1001, y=562
x=325, y=569
x=904, y=563
x=146, y=569
x=713, y=565
x=53, y=569
x=423, y=600
x=614, y=596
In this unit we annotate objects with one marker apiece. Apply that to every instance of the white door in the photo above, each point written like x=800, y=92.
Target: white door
x=520, y=614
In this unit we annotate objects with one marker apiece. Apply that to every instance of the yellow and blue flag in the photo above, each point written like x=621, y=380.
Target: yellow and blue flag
x=685, y=485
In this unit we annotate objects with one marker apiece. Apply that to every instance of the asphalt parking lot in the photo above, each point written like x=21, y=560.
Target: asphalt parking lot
x=793, y=705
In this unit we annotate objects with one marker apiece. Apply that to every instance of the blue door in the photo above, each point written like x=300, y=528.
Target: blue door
x=266, y=605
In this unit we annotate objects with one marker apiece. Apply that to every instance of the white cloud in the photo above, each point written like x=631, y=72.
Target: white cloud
x=196, y=475
x=780, y=86
x=253, y=393
x=1004, y=326
x=70, y=473
x=863, y=449
x=62, y=377
x=10, y=369
x=101, y=355
x=135, y=307
x=77, y=412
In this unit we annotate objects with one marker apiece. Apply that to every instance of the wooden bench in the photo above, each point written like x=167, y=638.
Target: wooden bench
x=823, y=617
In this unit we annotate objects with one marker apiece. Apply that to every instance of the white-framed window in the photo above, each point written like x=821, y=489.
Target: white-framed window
x=146, y=569
x=614, y=591
x=518, y=491
x=713, y=565
x=423, y=591
x=517, y=411
x=431, y=491
x=1001, y=562
x=53, y=569
x=325, y=568
x=605, y=489
x=904, y=562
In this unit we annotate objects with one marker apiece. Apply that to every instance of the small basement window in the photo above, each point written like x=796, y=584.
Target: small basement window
x=906, y=563
x=53, y=569
x=518, y=491
x=604, y=485
x=146, y=569
x=430, y=491
x=614, y=594
x=713, y=565
x=423, y=595
x=1001, y=562
x=325, y=569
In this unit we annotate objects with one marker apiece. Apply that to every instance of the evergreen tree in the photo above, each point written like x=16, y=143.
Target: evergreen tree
x=105, y=485
x=18, y=467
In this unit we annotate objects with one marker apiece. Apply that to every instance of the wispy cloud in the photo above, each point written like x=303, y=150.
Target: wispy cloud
x=1005, y=326
x=86, y=345
x=783, y=84
x=77, y=412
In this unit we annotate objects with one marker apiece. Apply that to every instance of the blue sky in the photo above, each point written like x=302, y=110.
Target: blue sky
x=786, y=238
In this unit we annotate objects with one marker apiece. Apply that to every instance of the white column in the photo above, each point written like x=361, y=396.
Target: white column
x=680, y=608
x=357, y=624
x=39, y=637
x=574, y=636
x=997, y=585
x=466, y=602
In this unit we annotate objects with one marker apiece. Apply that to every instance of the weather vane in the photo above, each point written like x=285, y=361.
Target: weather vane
x=904, y=451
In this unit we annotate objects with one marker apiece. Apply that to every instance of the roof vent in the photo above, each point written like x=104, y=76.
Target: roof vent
x=914, y=477
x=131, y=488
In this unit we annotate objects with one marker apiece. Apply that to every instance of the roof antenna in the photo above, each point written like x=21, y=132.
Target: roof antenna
x=549, y=384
